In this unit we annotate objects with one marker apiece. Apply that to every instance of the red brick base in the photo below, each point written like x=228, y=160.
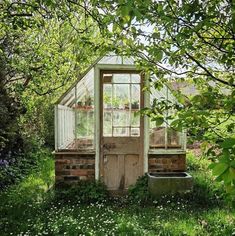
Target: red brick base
x=167, y=163
x=70, y=168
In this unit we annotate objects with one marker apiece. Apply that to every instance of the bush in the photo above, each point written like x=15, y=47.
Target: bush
x=139, y=192
x=206, y=191
x=83, y=192
x=21, y=166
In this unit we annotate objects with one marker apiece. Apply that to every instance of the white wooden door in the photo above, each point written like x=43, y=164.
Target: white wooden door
x=121, y=129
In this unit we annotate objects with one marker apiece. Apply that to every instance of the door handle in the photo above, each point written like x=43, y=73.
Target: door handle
x=109, y=146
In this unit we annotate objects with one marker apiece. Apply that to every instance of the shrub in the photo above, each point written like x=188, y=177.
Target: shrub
x=139, y=192
x=206, y=191
x=21, y=166
x=84, y=192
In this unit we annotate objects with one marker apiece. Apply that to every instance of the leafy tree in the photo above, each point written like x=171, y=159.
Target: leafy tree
x=44, y=45
x=190, y=41
x=11, y=142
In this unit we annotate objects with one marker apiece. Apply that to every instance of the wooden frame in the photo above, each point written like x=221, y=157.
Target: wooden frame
x=120, y=68
x=97, y=85
x=141, y=127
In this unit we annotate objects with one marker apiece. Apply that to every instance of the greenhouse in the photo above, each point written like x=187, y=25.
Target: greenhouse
x=100, y=134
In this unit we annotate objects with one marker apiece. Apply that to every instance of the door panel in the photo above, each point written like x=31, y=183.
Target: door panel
x=132, y=169
x=121, y=145
x=111, y=171
x=121, y=129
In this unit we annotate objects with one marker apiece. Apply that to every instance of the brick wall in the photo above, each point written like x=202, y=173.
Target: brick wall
x=167, y=163
x=70, y=168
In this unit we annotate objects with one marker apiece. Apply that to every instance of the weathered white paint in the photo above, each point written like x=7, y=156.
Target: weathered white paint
x=146, y=125
x=56, y=126
x=166, y=115
x=97, y=120
x=66, y=120
x=115, y=67
x=184, y=139
x=97, y=69
x=166, y=151
x=64, y=126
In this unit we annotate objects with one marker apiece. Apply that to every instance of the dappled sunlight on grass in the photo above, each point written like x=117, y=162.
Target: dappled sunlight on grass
x=29, y=209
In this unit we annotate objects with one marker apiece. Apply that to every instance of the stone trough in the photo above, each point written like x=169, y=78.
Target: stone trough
x=164, y=183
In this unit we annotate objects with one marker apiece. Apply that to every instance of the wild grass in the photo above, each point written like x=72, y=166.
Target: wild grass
x=30, y=208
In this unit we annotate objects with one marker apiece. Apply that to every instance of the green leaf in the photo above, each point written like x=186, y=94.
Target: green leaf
x=156, y=35
x=226, y=177
x=177, y=124
x=212, y=166
x=220, y=168
x=158, y=55
x=232, y=173
x=224, y=159
x=159, y=121
x=232, y=164
x=228, y=143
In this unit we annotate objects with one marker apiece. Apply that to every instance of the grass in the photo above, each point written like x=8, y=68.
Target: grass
x=30, y=209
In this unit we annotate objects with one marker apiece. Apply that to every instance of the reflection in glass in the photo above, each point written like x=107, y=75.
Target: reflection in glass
x=135, y=119
x=107, y=96
x=157, y=137
x=121, y=96
x=173, y=138
x=135, y=131
x=121, y=100
x=107, y=123
x=135, y=96
x=135, y=78
x=121, y=78
x=121, y=118
x=119, y=132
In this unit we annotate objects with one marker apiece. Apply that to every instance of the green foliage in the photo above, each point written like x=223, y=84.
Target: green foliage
x=223, y=167
x=139, y=193
x=43, y=46
x=190, y=42
x=11, y=141
x=43, y=49
x=82, y=192
x=29, y=191
x=13, y=162
x=34, y=172
x=206, y=191
x=31, y=208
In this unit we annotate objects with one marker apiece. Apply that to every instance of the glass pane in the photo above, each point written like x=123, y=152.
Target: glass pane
x=173, y=139
x=84, y=128
x=135, y=119
x=81, y=123
x=157, y=137
x=121, y=78
x=121, y=100
x=121, y=96
x=90, y=123
x=119, y=132
x=135, y=131
x=135, y=96
x=135, y=78
x=85, y=91
x=107, y=96
x=121, y=118
x=107, y=123
x=69, y=99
